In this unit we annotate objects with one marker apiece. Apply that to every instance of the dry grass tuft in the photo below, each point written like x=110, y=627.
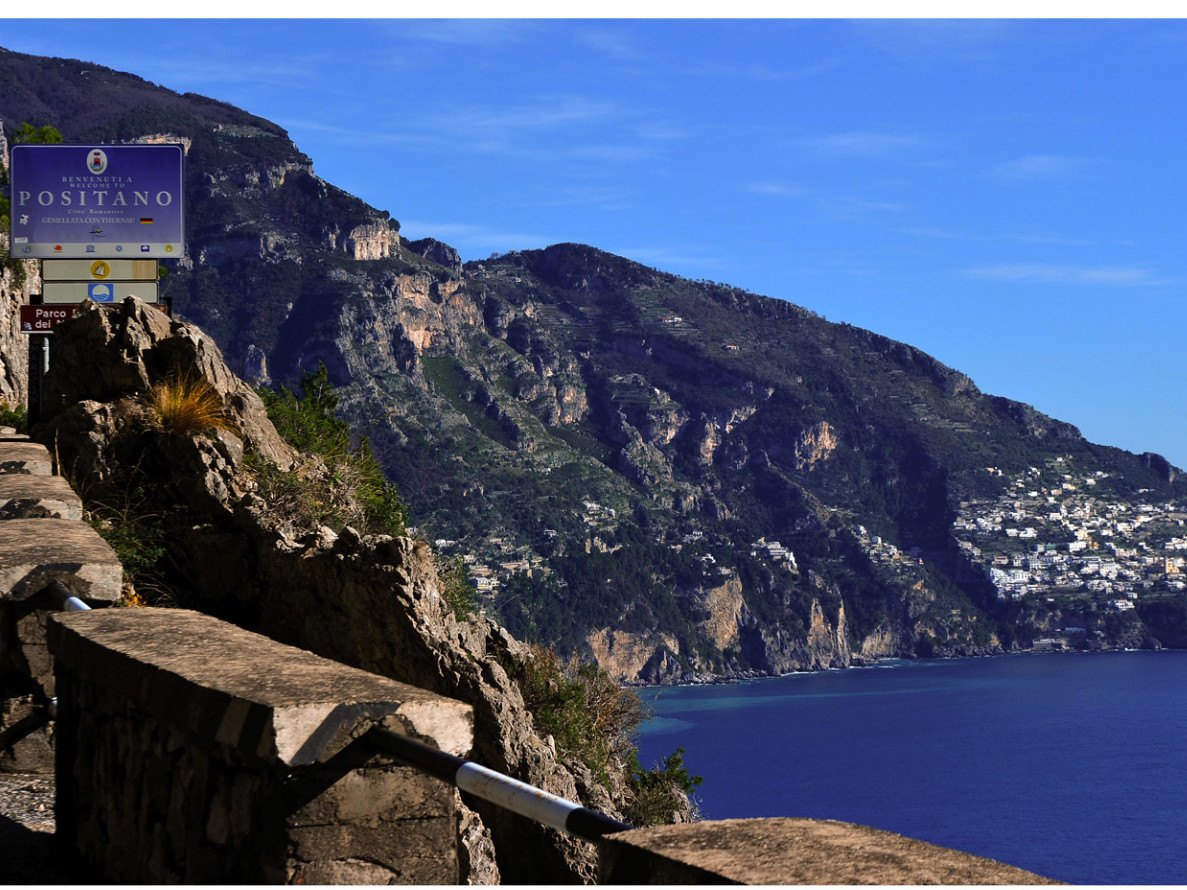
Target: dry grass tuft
x=186, y=404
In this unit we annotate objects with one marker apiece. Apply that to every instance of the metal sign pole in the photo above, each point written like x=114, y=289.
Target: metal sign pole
x=44, y=372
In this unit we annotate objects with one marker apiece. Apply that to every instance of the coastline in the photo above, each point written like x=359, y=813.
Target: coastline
x=889, y=661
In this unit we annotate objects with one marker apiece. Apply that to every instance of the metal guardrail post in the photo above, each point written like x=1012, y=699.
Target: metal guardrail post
x=504, y=791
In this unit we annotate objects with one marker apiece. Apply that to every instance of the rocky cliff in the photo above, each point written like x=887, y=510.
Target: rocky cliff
x=374, y=602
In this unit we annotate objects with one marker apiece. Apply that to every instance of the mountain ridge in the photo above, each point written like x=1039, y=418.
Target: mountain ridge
x=626, y=458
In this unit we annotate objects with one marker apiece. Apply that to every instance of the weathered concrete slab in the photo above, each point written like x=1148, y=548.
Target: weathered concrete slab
x=791, y=851
x=37, y=497
x=35, y=552
x=25, y=457
x=268, y=700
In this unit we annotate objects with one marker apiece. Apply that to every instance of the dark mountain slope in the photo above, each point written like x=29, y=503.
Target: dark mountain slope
x=670, y=476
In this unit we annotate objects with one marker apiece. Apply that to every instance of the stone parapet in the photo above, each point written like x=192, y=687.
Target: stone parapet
x=37, y=552
x=37, y=497
x=189, y=750
x=790, y=851
x=22, y=456
x=34, y=554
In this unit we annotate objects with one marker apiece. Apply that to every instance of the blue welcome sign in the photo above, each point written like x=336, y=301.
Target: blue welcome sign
x=97, y=201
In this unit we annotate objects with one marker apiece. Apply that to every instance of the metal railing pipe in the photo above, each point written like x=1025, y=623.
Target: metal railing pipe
x=504, y=791
x=67, y=602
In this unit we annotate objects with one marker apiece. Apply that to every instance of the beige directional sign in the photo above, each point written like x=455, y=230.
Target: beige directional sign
x=99, y=270
x=100, y=291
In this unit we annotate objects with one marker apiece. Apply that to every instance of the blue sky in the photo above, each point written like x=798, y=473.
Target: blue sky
x=1006, y=195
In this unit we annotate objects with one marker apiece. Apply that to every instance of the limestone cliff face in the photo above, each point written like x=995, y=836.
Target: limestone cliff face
x=827, y=641
x=388, y=330
x=727, y=613
x=633, y=657
x=744, y=642
x=815, y=444
x=884, y=642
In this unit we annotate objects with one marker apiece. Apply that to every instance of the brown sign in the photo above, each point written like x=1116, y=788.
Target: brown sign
x=43, y=319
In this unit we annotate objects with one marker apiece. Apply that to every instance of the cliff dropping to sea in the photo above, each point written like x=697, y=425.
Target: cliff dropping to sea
x=679, y=479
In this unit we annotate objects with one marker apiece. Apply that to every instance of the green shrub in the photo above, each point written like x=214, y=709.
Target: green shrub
x=137, y=534
x=309, y=422
x=593, y=720
x=658, y=794
x=27, y=134
x=588, y=715
x=456, y=588
x=14, y=416
x=344, y=484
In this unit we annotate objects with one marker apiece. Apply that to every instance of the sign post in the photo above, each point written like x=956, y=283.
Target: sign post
x=100, y=216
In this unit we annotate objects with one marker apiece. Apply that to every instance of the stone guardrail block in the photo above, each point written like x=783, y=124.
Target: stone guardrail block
x=25, y=457
x=37, y=497
x=192, y=750
x=42, y=540
x=34, y=552
x=791, y=851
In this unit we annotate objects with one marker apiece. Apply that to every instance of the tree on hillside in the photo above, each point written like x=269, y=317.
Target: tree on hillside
x=31, y=135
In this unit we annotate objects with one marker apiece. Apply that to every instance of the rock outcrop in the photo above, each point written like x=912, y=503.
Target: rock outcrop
x=374, y=603
x=18, y=279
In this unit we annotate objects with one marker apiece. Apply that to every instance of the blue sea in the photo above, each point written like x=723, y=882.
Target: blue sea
x=1073, y=766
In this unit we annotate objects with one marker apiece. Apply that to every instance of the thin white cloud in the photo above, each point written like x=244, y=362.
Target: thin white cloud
x=483, y=32
x=1049, y=273
x=614, y=43
x=1038, y=166
x=864, y=143
x=795, y=70
x=1052, y=238
x=847, y=207
x=777, y=189
x=612, y=153
x=932, y=233
x=922, y=42
x=545, y=128
x=603, y=197
x=547, y=111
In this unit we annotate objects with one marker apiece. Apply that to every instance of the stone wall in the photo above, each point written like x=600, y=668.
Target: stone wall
x=189, y=750
x=791, y=851
x=43, y=542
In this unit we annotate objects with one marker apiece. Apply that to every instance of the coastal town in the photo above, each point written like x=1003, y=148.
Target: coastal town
x=1055, y=531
